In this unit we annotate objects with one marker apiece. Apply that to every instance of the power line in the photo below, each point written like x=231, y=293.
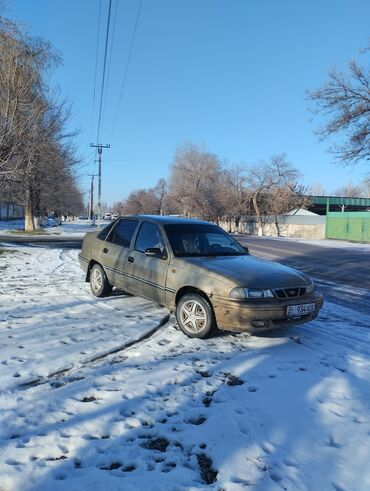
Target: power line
x=135, y=159
x=110, y=57
x=126, y=68
x=96, y=65
x=98, y=145
x=104, y=70
x=95, y=76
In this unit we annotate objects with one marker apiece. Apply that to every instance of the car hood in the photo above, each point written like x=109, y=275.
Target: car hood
x=247, y=271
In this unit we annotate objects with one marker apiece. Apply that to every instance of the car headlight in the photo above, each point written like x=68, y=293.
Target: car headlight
x=310, y=288
x=243, y=293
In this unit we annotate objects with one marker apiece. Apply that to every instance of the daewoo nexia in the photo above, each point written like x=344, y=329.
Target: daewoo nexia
x=199, y=272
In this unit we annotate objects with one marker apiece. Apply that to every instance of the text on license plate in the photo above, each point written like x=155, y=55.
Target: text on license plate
x=303, y=309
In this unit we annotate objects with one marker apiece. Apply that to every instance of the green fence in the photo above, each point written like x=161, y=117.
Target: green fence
x=348, y=226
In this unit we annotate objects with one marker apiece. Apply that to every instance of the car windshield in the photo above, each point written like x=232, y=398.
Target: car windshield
x=201, y=240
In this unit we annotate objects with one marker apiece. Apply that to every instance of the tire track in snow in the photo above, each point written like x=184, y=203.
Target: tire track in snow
x=58, y=283
x=93, y=359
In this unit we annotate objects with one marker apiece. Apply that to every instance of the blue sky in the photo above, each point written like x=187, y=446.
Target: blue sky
x=229, y=74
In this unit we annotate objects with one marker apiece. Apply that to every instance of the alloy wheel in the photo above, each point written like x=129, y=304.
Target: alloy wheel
x=193, y=316
x=96, y=279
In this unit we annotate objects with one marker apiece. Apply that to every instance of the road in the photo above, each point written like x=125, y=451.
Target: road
x=63, y=242
x=340, y=265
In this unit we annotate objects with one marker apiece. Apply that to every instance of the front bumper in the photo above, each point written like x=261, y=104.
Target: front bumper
x=258, y=316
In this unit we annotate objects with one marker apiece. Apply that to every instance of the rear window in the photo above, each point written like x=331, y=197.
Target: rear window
x=123, y=232
x=105, y=231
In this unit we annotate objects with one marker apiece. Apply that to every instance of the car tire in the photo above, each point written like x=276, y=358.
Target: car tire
x=99, y=284
x=195, y=316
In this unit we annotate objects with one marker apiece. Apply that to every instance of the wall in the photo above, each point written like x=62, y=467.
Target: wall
x=10, y=211
x=354, y=226
x=302, y=226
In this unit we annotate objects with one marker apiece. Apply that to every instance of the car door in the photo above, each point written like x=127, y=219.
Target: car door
x=114, y=252
x=146, y=275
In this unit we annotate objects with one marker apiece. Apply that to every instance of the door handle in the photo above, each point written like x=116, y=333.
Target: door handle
x=105, y=250
x=131, y=259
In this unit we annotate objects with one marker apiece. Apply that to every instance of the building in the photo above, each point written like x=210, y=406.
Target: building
x=11, y=211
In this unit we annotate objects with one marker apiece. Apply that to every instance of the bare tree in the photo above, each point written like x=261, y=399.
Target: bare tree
x=350, y=190
x=266, y=178
x=197, y=182
x=161, y=192
x=142, y=201
x=281, y=199
x=200, y=186
x=34, y=149
x=57, y=191
x=237, y=194
x=154, y=201
x=366, y=186
x=318, y=189
x=345, y=100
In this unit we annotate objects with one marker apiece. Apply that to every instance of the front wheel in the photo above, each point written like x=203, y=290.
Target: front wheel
x=99, y=284
x=195, y=315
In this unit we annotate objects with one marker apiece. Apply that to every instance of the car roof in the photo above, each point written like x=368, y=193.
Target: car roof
x=168, y=220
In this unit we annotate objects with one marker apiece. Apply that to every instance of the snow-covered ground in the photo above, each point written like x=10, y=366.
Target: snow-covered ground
x=76, y=228
x=6, y=226
x=81, y=408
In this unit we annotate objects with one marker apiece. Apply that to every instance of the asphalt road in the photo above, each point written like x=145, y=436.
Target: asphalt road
x=348, y=266
x=54, y=242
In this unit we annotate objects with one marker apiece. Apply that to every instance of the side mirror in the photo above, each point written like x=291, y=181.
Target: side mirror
x=246, y=249
x=155, y=252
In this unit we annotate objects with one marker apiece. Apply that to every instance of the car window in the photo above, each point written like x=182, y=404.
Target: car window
x=202, y=240
x=218, y=239
x=104, y=233
x=123, y=232
x=149, y=236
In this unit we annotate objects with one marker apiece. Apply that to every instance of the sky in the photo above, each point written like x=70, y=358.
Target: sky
x=230, y=75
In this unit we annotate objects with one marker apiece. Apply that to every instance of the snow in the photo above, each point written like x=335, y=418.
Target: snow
x=81, y=407
x=44, y=298
x=6, y=226
x=75, y=228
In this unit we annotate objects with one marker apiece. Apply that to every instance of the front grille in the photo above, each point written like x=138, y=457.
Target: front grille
x=290, y=292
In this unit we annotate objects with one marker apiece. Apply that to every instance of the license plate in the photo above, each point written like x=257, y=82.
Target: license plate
x=303, y=309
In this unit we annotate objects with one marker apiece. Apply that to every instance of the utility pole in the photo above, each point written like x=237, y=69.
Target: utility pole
x=91, y=200
x=100, y=147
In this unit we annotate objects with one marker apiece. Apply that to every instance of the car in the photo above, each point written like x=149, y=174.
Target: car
x=107, y=216
x=198, y=271
x=115, y=216
x=50, y=222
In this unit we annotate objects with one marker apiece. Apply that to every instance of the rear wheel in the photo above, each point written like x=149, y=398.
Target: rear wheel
x=195, y=315
x=99, y=284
